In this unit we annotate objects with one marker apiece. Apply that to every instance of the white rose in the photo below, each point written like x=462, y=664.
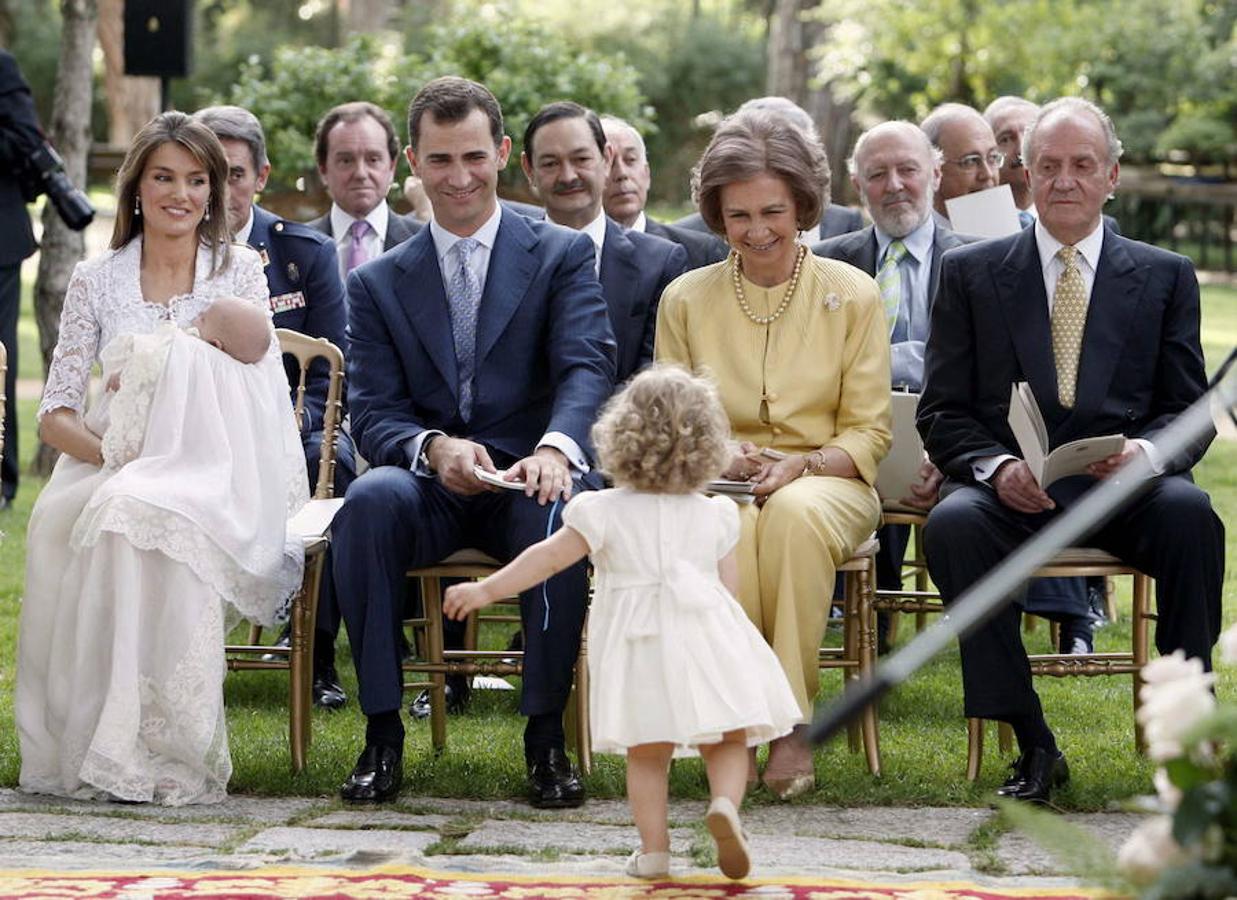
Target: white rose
x=1228, y=645
x=1175, y=698
x=1149, y=850
x=1170, y=794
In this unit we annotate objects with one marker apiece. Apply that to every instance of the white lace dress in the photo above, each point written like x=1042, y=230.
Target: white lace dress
x=132, y=569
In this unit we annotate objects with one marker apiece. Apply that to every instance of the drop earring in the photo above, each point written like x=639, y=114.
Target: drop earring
x=206, y=217
x=137, y=204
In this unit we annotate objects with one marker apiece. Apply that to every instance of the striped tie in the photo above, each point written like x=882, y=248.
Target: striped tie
x=465, y=300
x=1069, y=317
x=889, y=280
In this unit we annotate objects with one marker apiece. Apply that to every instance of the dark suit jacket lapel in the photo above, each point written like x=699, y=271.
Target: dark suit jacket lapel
x=512, y=266
x=934, y=266
x=1114, y=303
x=1020, y=292
x=423, y=301
x=619, y=269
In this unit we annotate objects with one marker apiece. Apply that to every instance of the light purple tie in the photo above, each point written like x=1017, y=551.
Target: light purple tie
x=356, y=250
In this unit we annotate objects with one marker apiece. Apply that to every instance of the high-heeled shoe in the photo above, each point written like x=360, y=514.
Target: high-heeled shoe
x=789, y=772
x=648, y=865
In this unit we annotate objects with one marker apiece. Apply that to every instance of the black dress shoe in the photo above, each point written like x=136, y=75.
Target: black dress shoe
x=459, y=692
x=378, y=774
x=284, y=640
x=328, y=692
x=1036, y=773
x=5, y=503
x=552, y=781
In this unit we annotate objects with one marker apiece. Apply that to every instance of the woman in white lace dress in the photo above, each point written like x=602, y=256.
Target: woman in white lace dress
x=153, y=528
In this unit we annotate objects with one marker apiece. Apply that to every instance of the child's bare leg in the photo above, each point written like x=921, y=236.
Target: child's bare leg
x=648, y=782
x=726, y=765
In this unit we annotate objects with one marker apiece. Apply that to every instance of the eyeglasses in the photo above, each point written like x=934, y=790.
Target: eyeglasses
x=973, y=161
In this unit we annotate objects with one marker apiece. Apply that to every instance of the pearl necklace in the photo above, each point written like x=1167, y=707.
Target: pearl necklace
x=737, y=277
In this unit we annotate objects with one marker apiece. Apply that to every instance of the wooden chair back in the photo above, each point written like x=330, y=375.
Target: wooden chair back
x=305, y=350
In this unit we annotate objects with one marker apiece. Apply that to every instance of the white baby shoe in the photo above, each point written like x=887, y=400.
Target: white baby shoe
x=648, y=865
x=722, y=820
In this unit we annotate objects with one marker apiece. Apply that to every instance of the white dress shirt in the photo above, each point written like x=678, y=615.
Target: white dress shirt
x=641, y=223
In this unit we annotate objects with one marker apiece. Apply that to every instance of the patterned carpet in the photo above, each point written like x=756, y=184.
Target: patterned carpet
x=425, y=884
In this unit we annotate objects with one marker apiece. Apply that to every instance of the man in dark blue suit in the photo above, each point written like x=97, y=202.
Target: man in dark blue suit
x=1106, y=332
x=307, y=295
x=482, y=341
x=566, y=160
x=627, y=191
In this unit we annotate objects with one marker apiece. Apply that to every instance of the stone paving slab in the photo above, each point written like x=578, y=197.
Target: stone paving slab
x=66, y=855
x=568, y=837
x=787, y=854
x=378, y=818
x=370, y=847
x=1023, y=856
x=933, y=827
x=258, y=810
x=113, y=829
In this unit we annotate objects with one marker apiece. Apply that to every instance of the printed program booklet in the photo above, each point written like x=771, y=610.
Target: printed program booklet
x=1073, y=458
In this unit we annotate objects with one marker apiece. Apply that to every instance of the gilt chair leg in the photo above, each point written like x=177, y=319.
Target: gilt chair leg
x=974, y=748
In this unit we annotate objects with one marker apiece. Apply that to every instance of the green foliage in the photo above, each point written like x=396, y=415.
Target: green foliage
x=1199, y=138
x=1146, y=62
x=523, y=63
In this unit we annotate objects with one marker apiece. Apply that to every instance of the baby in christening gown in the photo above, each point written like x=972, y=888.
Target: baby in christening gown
x=676, y=668
x=179, y=533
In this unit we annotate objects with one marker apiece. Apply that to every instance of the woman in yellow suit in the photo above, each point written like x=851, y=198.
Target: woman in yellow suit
x=799, y=348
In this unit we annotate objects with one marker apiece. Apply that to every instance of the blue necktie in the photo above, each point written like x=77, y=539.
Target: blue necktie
x=464, y=299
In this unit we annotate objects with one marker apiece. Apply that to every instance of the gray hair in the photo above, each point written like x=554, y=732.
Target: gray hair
x=616, y=122
x=792, y=112
x=1074, y=106
x=235, y=123
x=900, y=125
x=1004, y=104
x=936, y=121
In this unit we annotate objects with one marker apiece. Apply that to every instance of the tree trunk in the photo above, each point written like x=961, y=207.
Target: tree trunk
x=791, y=73
x=69, y=131
x=360, y=16
x=131, y=101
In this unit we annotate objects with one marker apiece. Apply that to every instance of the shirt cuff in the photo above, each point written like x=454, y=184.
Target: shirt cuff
x=569, y=448
x=985, y=468
x=1153, y=455
x=413, y=446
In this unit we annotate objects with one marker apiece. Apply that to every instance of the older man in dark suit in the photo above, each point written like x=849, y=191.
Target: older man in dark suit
x=20, y=136
x=357, y=153
x=896, y=171
x=627, y=191
x=1106, y=332
x=483, y=341
x=566, y=160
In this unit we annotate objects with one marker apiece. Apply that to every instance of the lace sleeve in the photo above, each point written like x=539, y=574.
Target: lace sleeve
x=250, y=284
x=69, y=375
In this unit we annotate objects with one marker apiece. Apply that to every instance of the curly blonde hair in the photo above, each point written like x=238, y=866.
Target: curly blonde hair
x=664, y=433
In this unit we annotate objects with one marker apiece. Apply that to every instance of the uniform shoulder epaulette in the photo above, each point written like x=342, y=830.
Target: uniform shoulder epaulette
x=288, y=228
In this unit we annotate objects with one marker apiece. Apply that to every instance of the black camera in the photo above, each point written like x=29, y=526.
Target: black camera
x=44, y=174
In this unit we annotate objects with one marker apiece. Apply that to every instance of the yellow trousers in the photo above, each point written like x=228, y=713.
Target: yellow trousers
x=788, y=553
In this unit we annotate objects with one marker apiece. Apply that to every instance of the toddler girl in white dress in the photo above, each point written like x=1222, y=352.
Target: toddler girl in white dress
x=676, y=668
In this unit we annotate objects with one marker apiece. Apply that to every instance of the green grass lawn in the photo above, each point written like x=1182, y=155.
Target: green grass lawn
x=923, y=734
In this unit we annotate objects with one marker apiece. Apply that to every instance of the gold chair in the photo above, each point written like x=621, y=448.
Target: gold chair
x=857, y=655
x=436, y=663
x=1067, y=563
x=297, y=658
